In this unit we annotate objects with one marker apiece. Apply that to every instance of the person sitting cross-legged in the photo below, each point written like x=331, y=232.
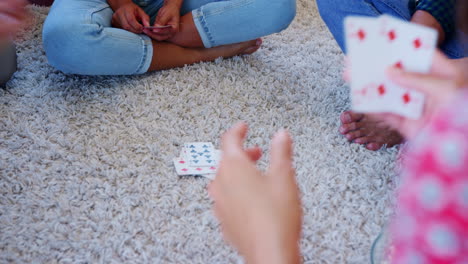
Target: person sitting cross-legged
x=99, y=37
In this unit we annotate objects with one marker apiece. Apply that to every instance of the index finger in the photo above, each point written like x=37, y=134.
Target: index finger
x=131, y=19
x=143, y=17
x=233, y=139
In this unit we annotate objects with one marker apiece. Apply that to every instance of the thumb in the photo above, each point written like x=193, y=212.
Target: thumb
x=281, y=152
x=162, y=18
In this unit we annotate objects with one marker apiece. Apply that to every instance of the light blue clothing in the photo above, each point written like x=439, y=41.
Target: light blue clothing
x=78, y=37
x=333, y=12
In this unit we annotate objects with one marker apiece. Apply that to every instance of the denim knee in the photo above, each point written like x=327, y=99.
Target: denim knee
x=327, y=8
x=62, y=37
x=283, y=14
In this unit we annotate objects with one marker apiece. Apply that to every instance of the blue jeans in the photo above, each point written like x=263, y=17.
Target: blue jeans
x=333, y=12
x=78, y=37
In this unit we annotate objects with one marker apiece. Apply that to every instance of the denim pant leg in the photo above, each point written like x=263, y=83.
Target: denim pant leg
x=7, y=61
x=456, y=47
x=78, y=39
x=221, y=22
x=333, y=12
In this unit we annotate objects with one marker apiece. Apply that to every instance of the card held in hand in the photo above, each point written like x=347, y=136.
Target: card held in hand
x=375, y=44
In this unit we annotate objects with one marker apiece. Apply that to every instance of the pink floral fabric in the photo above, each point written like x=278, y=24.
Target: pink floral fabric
x=431, y=222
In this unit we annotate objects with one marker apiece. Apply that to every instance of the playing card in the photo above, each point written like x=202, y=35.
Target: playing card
x=183, y=168
x=407, y=45
x=198, y=158
x=158, y=27
x=362, y=44
x=373, y=46
x=200, y=154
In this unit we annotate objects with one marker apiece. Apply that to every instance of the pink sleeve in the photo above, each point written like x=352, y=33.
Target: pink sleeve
x=431, y=221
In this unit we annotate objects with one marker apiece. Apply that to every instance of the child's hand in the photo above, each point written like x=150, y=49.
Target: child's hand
x=439, y=87
x=131, y=18
x=260, y=214
x=12, y=16
x=169, y=14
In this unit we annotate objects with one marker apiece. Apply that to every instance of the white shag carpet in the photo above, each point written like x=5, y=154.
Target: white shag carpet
x=85, y=162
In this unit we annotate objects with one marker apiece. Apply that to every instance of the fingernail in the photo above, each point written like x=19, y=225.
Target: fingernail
x=282, y=135
x=394, y=71
x=347, y=117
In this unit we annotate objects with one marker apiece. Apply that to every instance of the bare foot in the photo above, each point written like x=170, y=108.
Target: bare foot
x=167, y=55
x=360, y=129
x=226, y=51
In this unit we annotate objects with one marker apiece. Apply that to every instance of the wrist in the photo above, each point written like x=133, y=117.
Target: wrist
x=116, y=4
x=424, y=18
x=265, y=254
x=271, y=248
x=177, y=3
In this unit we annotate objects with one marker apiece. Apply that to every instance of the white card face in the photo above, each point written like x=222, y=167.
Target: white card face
x=183, y=168
x=200, y=154
x=210, y=176
x=157, y=27
x=407, y=45
x=362, y=37
x=373, y=46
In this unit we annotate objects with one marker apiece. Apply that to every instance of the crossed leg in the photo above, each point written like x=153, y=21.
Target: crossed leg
x=167, y=55
x=222, y=23
x=78, y=36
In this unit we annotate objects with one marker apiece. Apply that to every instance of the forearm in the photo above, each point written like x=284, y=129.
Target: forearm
x=426, y=19
x=437, y=14
x=286, y=255
x=268, y=248
x=115, y=4
x=174, y=2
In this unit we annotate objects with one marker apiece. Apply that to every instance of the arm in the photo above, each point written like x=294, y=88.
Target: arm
x=169, y=14
x=177, y=3
x=437, y=14
x=129, y=16
x=116, y=4
x=12, y=16
x=260, y=213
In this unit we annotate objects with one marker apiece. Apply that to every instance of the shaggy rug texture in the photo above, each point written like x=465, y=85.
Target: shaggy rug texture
x=86, y=172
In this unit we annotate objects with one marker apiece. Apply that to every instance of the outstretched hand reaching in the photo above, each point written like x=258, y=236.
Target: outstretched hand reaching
x=260, y=213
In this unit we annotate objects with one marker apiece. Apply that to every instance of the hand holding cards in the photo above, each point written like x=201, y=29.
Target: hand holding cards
x=157, y=27
x=375, y=44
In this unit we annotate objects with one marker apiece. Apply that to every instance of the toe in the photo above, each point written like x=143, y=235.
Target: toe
x=355, y=134
x=350, y=116
x=374, y=146
x=345, y=128
x=364, y=140
x=256, y=45
x=258, y=42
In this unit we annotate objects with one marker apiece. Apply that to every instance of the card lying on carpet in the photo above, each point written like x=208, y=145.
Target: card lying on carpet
x=375, y=44
x=198, y=158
